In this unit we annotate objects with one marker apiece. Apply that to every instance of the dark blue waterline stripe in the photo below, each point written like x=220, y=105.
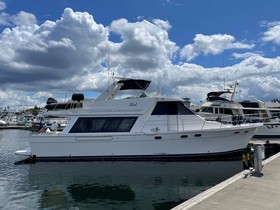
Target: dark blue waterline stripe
x=230, y=155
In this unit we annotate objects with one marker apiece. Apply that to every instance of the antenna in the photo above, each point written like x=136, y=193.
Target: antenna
x=109, y=66
x=234, y=91
x=224, y=75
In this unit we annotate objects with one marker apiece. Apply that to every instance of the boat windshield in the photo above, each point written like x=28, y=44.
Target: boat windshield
x=171, y=108
x=275, y=114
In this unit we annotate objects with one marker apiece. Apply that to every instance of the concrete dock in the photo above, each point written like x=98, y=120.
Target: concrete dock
x=246, y=190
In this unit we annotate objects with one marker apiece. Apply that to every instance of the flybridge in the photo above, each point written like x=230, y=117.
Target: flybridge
x=109, y=94
x=124, y=84
x=216, y=96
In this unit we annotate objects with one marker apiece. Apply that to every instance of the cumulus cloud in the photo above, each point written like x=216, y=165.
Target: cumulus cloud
x=51, y=51
x=74, y=52
x=212, y=44
x=4, y=19
x=258, y=77
x=2, y=5
x=145, y=45
x=273, y=33
x=71, y=51
x=20, y=19
x=23, y=18
x=259, y=72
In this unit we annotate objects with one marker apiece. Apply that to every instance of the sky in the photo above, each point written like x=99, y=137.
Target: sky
x=187, y=48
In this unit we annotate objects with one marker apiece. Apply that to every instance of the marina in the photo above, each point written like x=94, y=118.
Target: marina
x=102, y=185
x=133, y=153
x=124, y=184
x=139, y=105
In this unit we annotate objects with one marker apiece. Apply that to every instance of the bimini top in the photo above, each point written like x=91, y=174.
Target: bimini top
x=216, y=96
x=134, y=84
x=123, y=84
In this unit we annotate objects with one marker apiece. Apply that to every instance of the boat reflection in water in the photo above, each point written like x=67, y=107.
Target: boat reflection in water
x=124, y=184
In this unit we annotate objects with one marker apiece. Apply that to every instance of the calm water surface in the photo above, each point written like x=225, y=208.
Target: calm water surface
x=101, y=185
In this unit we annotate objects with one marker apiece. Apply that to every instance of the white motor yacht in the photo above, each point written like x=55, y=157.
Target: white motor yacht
x=138, y=127
x=219, y=108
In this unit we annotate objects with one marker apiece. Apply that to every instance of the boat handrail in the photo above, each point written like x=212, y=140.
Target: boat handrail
x=152, y=127
x=231, y=119
x=263, y=117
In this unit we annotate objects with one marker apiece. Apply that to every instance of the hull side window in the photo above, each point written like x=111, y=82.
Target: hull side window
x=103, y=124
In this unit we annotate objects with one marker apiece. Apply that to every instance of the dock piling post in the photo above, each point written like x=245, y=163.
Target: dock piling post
x=258, y=157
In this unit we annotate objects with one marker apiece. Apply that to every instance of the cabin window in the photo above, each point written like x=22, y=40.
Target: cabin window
x=216, y=111
x=225, y=111
x=182, y=109
x=207, y=109
x=171, y=108
x=275, y=114
x=228, y=111
x=250, y=112
x=103, y=124
x=235, y=112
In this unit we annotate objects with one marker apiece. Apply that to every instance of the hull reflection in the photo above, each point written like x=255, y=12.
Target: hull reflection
x=125, y=185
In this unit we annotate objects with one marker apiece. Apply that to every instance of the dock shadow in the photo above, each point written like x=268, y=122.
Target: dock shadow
x=257, y=174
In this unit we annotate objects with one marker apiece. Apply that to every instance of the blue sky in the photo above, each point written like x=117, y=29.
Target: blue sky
x=186, y=47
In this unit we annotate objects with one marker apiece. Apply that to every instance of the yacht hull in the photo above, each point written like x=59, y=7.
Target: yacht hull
x=177, y=145
x=269, y=130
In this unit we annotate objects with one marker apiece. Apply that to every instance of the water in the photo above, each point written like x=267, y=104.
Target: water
x=101, y=185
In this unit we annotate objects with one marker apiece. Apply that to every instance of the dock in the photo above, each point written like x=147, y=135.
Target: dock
x=245, y=190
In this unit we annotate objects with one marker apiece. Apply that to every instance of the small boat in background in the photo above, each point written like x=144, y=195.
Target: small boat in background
x=48, y=117
x=219, y=108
